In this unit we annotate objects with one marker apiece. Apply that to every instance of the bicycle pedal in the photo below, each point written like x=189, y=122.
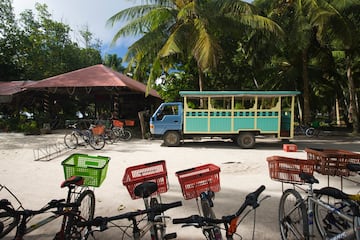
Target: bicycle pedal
x=170, y=236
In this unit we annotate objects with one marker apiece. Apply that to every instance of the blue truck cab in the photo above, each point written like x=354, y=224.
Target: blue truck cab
x=167, y=122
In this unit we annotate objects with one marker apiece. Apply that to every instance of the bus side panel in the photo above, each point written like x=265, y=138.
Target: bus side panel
x=196, y=125
x=244, y=123
x=220, y=125
x=268, y=124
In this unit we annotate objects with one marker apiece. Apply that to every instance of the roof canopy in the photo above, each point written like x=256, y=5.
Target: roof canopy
x=94, y=76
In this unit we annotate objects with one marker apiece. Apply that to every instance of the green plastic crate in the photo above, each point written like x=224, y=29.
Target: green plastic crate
x=92, y=168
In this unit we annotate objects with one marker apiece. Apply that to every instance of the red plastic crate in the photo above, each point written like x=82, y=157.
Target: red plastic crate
x=148, y=172
x=332, y=161
x=196, y=180
x=290, y=147
x=287, y=170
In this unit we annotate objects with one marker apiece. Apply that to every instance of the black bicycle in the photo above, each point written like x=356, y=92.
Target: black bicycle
x=78, y=137
x=78, y=206
x=230, y=222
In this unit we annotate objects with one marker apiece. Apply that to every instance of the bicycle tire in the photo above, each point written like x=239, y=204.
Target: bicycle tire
x=158, y=230
x=125, y=135
x=327, y=222
x=8, y=220
x=71, y=140
x=86, y=201
x=210, y=233
x=309, y=132
x=97, y=142
x=293, y=220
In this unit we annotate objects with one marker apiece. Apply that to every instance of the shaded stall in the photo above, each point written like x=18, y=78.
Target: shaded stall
x=95, y=92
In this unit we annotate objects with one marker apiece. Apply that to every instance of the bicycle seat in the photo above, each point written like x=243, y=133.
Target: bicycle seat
x=73, y=180
x=145, y=189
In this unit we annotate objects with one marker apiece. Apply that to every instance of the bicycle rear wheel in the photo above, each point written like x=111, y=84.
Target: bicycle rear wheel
x=86, y=201
x=328, y=222
x=8, y=220
x=125, y=135
x=293, y=216
x=97, y=142
x=71, y=140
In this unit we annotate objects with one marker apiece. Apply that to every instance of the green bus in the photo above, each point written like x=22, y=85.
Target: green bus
x=239, y=115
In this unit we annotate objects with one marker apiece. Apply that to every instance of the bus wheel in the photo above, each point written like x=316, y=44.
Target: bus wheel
x=172, y=139
x=246, y=140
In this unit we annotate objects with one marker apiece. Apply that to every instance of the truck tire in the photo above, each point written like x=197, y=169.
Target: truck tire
x=246, y=140
x=172, y=139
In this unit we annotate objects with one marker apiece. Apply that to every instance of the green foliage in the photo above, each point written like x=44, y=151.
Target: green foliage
x=35, y=46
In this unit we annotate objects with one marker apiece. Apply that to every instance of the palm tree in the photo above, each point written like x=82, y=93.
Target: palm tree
x=305, y=22
x=174, y=31
x=346, y=40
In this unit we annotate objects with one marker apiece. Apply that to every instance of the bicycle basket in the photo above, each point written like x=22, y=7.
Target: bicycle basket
x=92, y=168
x=148, y=172
x=196, y=180
x=98, y=130
x=287, y=170
x=332, y=161
x=117, y=123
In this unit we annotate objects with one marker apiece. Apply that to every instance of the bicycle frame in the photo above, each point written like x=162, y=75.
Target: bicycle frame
x=310, y=201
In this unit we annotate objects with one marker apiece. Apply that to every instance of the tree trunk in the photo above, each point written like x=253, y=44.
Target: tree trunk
x=306, y=91
x=353, y=108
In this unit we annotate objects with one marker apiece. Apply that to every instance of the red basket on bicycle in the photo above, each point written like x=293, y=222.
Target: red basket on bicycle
x=196, y=180
x=332, y=161
x=148, y=172
x=287, y=170
x=117, y=123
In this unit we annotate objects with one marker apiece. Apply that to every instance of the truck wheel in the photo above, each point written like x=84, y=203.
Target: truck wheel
x=246, y=140
x=172, y=139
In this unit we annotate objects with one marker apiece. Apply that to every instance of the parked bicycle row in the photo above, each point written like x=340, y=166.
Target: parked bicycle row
x=146, y=181
x=334, y=212
x=97, y=135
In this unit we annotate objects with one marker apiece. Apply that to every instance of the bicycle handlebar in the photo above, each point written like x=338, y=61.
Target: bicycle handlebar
x=102, y=221
x=250, y=200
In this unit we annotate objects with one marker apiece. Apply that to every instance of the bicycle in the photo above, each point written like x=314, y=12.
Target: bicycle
x=230, y=222
x=334, y=219
x=79, y=204
x=92, y=136
x=305, y=130
x=202, y=182
x=119, y=131
x=153, y=214
x=148, y=181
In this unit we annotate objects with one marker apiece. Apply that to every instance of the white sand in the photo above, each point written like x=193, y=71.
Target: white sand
x=242, y=171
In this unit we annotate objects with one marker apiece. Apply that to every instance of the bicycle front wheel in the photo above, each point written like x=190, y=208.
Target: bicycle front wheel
x=86, y=201
x=8, y=220
x=329, y=223
x=157, y=230
x=213, y=233
x=293, y=216
x=71, y=140
x=310, y=132
x=97, y=142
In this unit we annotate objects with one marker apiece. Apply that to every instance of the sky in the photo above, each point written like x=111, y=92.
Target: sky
x=91, y=13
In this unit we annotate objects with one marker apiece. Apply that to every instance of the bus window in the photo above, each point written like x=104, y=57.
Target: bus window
x=197, y=103
x=220, y=102
x=267, y=103
x=244, y=102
